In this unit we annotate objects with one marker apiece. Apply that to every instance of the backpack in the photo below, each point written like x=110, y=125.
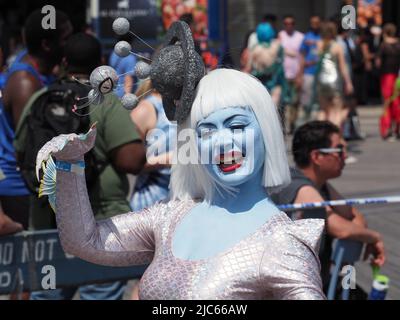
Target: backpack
x=327, y=77
x=51, y=115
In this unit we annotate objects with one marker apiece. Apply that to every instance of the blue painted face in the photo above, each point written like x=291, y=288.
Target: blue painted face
x=231, y=145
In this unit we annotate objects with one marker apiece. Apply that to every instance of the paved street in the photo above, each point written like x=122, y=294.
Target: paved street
x=376, y=174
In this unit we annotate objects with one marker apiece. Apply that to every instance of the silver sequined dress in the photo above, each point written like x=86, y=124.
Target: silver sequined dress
x=278, y=261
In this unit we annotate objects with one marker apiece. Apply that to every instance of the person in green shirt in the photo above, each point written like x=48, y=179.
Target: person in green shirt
x=118, y=148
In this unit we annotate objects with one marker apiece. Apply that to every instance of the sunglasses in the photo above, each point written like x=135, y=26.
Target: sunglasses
x=339, y=149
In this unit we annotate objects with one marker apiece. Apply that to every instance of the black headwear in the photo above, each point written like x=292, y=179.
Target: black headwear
x=176, y=70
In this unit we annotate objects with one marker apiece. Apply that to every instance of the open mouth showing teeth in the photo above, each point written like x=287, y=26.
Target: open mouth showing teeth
x=229, y=162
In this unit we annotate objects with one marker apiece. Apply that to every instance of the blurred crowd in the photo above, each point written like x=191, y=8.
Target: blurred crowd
x=327, y=72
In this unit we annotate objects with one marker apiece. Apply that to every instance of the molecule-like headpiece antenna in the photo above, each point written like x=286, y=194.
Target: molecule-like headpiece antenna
x=174, y=72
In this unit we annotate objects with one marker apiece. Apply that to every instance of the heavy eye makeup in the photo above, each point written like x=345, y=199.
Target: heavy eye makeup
x=238, y=122
x=234, y=123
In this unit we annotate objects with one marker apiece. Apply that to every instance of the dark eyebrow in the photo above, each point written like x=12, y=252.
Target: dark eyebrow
x=201, y=123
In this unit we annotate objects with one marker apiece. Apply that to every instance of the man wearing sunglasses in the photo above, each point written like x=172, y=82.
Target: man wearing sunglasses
x=319, y=153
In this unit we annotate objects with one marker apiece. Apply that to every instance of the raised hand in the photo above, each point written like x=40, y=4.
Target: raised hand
x=66, y=147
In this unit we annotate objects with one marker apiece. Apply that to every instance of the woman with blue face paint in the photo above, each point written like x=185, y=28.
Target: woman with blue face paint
x=219, y=237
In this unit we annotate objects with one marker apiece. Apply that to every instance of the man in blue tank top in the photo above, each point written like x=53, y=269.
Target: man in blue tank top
x=28, y=74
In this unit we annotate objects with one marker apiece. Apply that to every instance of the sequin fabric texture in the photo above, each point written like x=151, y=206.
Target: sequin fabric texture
x=278, y=261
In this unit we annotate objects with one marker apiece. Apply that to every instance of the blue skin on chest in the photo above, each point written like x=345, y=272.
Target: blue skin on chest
x=210, y=229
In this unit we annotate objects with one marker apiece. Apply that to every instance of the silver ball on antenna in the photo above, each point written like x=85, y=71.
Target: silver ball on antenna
x=122, y=48
x=129, y=101
x=95, y=97
x=121, y=26
x=104, y=79
x=142, y=70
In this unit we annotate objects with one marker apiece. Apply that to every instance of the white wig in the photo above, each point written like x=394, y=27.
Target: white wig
x=223, y=88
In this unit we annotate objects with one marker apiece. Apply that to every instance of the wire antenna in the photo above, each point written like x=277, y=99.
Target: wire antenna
x=139, y=38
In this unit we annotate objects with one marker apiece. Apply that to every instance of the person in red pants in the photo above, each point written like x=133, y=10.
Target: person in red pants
x=388, y=60
x=390, y=87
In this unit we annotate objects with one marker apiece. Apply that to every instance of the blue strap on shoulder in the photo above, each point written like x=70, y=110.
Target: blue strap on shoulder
x=21, y=66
